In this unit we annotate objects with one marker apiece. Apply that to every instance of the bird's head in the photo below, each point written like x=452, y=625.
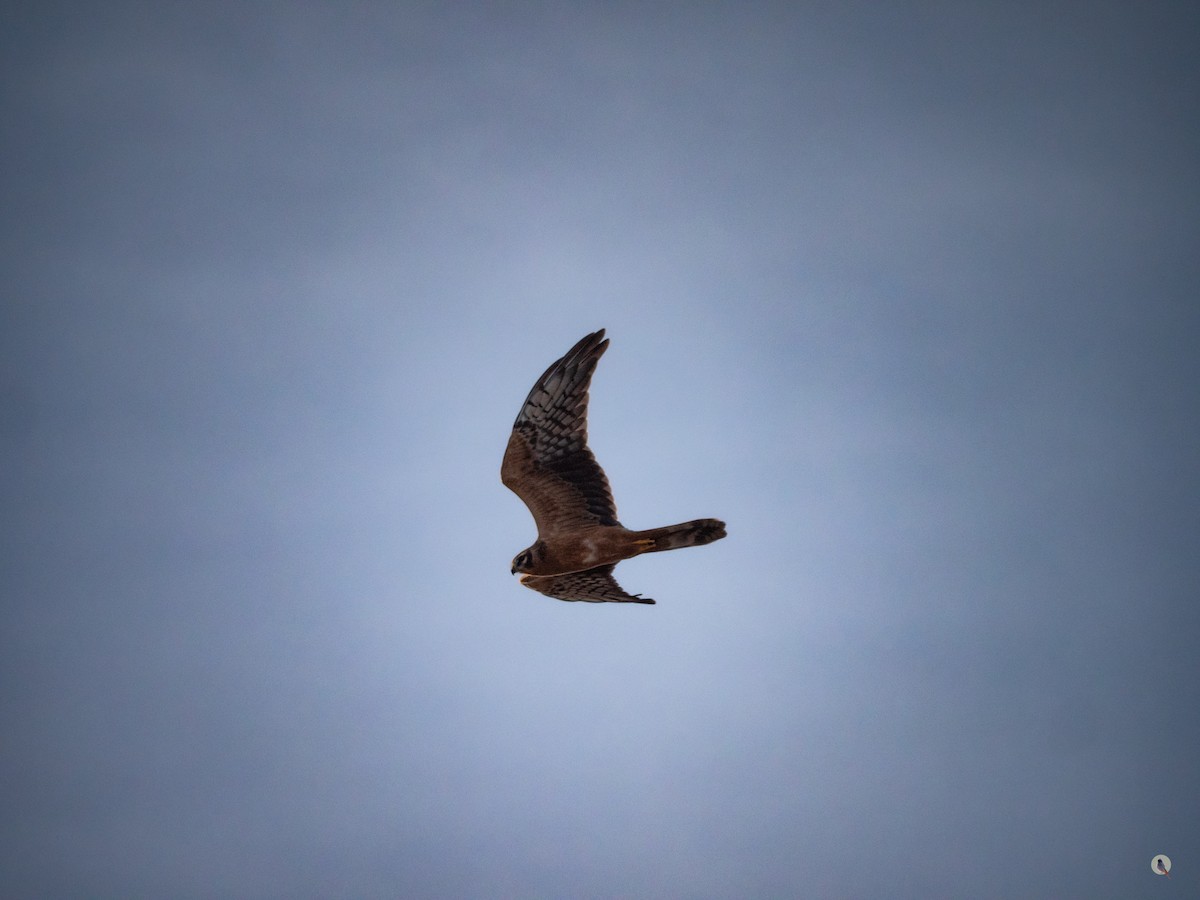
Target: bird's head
x=527, y=559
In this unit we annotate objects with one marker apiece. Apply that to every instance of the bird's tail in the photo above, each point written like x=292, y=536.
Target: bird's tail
x=685, y=534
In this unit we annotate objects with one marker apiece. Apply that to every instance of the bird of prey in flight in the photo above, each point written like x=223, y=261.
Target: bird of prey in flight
x=549, y=466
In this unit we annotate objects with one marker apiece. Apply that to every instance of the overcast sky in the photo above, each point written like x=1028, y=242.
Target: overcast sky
x=908, y=294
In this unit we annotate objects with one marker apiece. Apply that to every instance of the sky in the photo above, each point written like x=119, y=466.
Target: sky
x=905, y=293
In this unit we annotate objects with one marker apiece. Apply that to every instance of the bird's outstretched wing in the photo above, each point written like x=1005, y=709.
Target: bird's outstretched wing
x=548, y=463
x=590, y=586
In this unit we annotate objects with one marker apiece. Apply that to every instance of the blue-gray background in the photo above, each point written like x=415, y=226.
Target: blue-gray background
x=906, y=293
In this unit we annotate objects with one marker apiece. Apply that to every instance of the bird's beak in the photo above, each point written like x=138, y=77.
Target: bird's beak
x=514, y=571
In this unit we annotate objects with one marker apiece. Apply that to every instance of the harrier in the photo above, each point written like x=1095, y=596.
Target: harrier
x=549, y=466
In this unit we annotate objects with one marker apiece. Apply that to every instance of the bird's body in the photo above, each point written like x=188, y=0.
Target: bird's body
x=549, y=466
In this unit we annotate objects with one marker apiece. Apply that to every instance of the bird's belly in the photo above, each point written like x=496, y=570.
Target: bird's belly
x=577, y=552
x=589, y=553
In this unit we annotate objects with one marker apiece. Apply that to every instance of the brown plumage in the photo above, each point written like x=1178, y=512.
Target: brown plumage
x=549, y=466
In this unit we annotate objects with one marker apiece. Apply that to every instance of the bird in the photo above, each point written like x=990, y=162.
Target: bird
x=549, y=465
